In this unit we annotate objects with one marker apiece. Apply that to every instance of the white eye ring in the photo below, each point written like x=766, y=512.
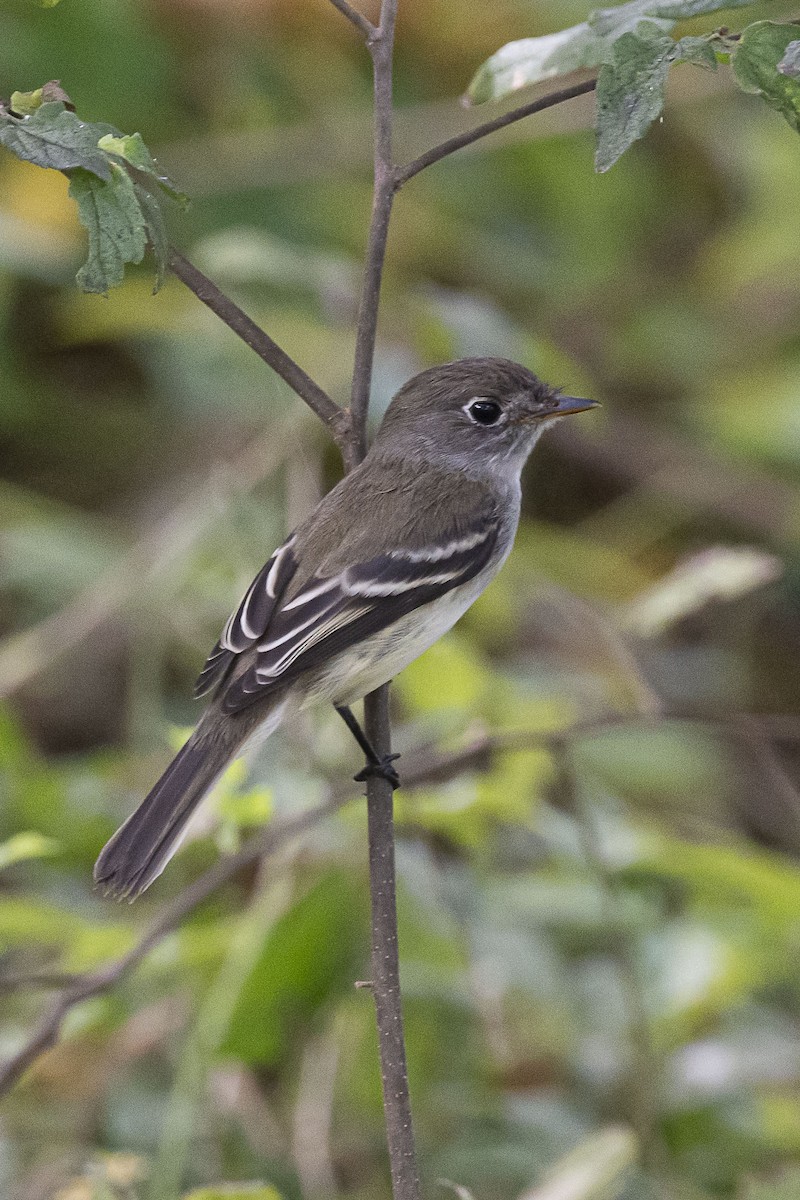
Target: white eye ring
x=484, y=411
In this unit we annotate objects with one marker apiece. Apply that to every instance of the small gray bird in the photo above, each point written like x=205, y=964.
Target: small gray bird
x=386, y=563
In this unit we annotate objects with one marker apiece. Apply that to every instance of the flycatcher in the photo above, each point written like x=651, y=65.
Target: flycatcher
x=386, y=563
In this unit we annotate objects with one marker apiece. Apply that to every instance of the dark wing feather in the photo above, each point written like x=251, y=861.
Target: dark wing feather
x=249, y=621
x=328, y=616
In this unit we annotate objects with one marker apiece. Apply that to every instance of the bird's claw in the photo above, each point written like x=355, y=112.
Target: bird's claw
x=381, y=769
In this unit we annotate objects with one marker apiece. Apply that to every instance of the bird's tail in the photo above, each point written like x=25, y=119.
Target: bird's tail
x=142, y=847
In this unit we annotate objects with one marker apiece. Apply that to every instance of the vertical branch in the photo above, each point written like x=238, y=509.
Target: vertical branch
x=384, y=956
x=385, y=962
x=381, y=46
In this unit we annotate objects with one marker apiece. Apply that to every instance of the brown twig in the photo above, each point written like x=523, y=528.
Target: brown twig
x=97, y=982
x=422, y=768
x=384, y=957
x=381, y=47
x=437, y=153
x=385, y=982
x=356, y=18
x=337, y=419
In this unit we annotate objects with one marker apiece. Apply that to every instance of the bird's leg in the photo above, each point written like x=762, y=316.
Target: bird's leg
x=376, y=765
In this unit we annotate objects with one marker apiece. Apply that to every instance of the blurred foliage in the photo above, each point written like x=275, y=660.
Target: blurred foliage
x=589, y=958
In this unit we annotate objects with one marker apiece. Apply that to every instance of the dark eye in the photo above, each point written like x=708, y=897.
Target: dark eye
x=484, y=412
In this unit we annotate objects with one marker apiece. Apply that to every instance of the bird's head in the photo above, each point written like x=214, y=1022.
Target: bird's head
x=475, y=412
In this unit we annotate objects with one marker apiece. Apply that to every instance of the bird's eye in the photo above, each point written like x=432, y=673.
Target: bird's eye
x=484, y=412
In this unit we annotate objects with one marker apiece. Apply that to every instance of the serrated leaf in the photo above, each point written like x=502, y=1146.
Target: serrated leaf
x=790, y=63
x=54, y=137
x=696, y=50
x=156, y=231
x=133, y=150
x=25, y=103
x=531, y=60
x=630, y=88
x=630, y=93
x=671, y=10
x=756, y=62
x=112, y=216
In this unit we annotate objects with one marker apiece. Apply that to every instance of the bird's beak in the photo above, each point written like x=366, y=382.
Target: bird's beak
x=565, y=405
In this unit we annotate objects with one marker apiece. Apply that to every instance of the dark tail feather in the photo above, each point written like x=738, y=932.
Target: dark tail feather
x=141, y=848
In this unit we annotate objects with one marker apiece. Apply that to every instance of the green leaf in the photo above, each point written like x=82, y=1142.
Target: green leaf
x=630, y=88
x=156, y=230
x=592, y=1170
x=112, y=215
x=531, y=60
x=756, y=62
x=25, y=103
x=630, y=93
x=589, y=44
x=26, y=845
x=133, y=150
x=114, y=179
x=54, y=137
x=672, y=10
x=310, y=954
x=790, y=63
x=696, y=50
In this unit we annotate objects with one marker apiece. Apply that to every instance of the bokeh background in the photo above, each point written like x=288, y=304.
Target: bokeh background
x=599, y=949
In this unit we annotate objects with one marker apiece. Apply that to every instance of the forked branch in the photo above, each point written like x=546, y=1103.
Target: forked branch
x=337, y=419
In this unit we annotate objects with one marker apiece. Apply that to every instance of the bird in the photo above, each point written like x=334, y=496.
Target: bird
x=385, y=564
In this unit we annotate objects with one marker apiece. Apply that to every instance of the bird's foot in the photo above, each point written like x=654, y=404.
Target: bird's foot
x=381, y=768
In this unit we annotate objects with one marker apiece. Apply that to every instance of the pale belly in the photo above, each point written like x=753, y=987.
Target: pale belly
x=380, y=657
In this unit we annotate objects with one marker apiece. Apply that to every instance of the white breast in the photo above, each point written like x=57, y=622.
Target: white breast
x=380, y=657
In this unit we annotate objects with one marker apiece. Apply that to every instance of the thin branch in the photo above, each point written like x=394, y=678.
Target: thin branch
x=437, y=153
x=385, y=961
x=381, y=48
x=335, y=418
x=97, y=982
x=356, y=18
x=423, y=767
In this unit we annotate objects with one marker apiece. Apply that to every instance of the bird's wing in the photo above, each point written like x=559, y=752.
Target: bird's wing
x=403, y=543
x=250, y=620
x=288, y=636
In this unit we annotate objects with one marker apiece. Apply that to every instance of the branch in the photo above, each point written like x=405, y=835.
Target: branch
x=385, y=961
x=381, y=48
x=380, y=803
x=335, y=418
x=356, y=18
x=97, y=982
x=437, y=153
x=424, y=767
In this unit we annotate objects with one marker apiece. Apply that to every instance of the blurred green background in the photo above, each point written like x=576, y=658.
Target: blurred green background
x=610, y=950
